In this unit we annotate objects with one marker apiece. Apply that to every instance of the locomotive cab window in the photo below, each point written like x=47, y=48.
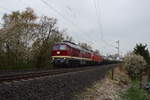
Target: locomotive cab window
x=63, y=47
x=60, y=47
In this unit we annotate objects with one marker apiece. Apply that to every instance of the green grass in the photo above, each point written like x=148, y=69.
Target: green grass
x=135, y=93
x=15, y=67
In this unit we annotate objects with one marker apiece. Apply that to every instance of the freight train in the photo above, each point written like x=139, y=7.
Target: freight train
x=71, y=54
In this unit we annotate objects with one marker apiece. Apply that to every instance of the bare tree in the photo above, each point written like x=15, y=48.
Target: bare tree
x=47, y=34
x=26, y=40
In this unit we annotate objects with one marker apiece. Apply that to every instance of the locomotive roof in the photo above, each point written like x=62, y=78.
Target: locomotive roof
x=73, y=45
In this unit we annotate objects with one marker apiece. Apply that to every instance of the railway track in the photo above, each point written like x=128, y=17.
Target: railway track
x=31, y=75
x=25, y=76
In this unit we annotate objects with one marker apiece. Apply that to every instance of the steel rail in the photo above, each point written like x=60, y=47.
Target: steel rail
x=14, y=77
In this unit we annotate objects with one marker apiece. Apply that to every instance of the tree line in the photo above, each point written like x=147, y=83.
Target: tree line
x=26, y=39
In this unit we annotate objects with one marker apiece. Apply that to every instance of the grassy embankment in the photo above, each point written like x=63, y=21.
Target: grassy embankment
x=135, y=93
x=24, y=67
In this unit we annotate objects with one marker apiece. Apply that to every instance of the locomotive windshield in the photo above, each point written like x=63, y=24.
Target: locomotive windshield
x=62, y=47
x=59, y=47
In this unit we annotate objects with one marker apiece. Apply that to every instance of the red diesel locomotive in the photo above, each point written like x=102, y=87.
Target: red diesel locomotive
x=68, y=53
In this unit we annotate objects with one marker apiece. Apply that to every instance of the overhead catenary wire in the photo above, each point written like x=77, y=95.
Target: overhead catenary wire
x=59, y=13
x=71, y=22
x=53, y=8
x=64, y=17
x=99, y=21
x=100, y=27
x=99, y=24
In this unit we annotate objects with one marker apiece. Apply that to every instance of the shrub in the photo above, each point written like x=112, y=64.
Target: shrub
x=134, y=64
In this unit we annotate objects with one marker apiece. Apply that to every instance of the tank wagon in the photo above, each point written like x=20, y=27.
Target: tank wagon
x=69, y=53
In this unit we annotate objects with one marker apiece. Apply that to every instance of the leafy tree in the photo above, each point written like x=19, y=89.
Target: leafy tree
x=16, y=33
x=142, y=50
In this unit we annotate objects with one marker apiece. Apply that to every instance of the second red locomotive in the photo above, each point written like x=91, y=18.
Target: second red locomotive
x=68, y=53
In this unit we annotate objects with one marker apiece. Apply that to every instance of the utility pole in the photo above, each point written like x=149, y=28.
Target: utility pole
x=118, y=48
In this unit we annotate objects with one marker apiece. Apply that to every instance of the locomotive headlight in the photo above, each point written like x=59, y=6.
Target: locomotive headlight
x=58, y=52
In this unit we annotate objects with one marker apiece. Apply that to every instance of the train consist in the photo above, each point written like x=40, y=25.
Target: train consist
x=70, y=54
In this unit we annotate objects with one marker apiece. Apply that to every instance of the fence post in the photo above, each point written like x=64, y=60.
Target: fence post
x=148, y=73
x=112, y=74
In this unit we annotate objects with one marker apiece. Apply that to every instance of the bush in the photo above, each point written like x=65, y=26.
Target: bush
x=134, y=64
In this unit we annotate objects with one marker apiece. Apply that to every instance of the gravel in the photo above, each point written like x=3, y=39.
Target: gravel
x=23, y=71
x=56, y=87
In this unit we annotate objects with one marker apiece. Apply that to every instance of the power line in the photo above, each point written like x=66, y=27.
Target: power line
x=100, y=25
x=51, y=7
x=65, y=18
x=98, y=19
x=100, y=29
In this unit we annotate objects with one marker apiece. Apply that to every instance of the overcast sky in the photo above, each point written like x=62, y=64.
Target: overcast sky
x=95, y=21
